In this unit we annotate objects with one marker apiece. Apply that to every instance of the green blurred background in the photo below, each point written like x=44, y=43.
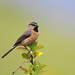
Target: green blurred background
x=56, y=19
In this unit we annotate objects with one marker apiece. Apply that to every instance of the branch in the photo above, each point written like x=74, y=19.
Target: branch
x=18, y=67
x=31, y=59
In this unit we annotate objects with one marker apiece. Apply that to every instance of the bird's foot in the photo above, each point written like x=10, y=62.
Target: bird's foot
x=27, y=48
x=32, y=50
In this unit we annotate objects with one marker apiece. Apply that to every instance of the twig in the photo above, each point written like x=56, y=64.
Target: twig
x=31, y=55
x=18, y=67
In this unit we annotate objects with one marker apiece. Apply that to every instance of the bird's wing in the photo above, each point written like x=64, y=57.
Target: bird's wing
x=25, y=35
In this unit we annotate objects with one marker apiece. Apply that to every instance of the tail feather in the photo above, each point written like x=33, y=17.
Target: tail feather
x=8, y=51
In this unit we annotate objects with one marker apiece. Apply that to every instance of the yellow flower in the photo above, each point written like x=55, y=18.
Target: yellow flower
x=38, y=53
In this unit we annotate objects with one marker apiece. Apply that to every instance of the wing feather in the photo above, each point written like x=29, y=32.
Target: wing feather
x=25, y=35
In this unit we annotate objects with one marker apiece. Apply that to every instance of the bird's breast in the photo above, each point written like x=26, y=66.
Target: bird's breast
x=30, y=40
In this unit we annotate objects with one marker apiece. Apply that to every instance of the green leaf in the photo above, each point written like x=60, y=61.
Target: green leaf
x=30, y=68
x=31, y=74
x=39, y=47
x=40, y=74
x=22, y=49
x=34, y=68
x=33, y=55
x=42, y=66
x=36, y=72
x=36, y=63
x=26, y=72
x=33, y=46
x=24, y=55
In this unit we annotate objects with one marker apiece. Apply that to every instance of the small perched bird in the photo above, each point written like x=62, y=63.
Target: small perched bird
x=27, y=38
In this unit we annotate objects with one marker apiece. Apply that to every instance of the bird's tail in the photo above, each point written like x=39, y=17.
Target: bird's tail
x=8, y=51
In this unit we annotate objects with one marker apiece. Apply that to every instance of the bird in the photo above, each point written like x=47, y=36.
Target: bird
x=27, y=38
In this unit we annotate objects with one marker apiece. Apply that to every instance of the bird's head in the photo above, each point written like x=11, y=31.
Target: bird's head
x=33, y=26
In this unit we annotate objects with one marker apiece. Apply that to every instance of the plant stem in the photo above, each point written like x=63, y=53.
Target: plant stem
x=31, y=59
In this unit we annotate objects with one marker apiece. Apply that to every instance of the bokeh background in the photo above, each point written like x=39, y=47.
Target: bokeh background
x=56, y=19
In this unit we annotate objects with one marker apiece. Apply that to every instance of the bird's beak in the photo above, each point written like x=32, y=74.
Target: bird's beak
x=37, y=26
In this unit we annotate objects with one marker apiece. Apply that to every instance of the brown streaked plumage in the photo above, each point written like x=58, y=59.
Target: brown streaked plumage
x=27, y=38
